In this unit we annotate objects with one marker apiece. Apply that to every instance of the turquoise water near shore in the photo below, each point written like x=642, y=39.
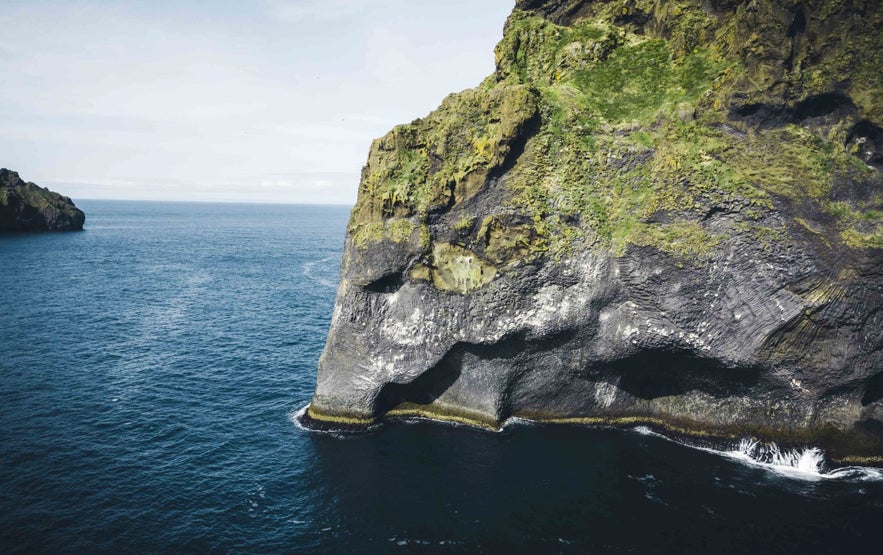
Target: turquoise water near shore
x=151, y=368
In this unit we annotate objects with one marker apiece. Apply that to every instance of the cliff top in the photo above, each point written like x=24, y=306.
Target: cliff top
x=627, y=113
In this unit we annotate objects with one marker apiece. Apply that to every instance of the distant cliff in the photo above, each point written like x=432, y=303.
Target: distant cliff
x=29, y=207
x=661, y=212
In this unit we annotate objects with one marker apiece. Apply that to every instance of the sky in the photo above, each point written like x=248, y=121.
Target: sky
x=229, y=101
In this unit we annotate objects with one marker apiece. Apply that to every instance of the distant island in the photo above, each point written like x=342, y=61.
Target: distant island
x=25, y=206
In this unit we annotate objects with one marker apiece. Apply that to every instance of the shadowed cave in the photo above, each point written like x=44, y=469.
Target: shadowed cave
x=661, y=373
x=428, y=386
x=648, y=375
x=773, y=115
x=873, y=389
x=390, y=283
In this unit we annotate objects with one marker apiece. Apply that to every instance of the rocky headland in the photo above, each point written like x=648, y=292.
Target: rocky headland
x=29, y=207
x=652, y=212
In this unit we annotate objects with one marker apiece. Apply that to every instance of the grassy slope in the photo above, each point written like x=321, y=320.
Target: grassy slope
x=636, y=142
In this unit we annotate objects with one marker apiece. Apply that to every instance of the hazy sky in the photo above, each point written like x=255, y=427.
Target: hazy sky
x=240, y=100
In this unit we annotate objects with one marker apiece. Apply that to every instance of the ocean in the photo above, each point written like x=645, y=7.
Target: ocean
x=153, y=365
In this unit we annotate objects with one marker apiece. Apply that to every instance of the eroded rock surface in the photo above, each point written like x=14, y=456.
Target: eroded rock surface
x=29, y=207
x=653, y=211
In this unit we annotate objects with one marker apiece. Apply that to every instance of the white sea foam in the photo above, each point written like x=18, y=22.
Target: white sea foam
x=423, y=542
x=310, y=267
x=516, y=421
x=806, y=463
x=296, y=416
x=442, y=422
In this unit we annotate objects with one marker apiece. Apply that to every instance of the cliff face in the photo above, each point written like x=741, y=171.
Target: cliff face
x=29, y=207
x=666, y=212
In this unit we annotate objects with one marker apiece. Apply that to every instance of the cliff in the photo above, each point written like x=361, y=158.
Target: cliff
x=660, y=212
x=29, y=207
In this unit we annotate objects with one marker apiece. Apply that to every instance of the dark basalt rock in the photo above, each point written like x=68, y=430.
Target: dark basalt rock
x=661, y=212
x=29, y=207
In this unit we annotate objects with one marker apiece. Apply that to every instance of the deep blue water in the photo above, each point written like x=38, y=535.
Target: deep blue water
x=150, y=367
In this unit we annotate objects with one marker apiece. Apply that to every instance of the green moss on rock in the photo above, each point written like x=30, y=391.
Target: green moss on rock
x=629, y=122
x=446, y=157
x=459, y=269
x=29, y=207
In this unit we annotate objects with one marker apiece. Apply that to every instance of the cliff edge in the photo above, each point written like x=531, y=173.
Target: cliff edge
x=660, y=212
x=29, y=207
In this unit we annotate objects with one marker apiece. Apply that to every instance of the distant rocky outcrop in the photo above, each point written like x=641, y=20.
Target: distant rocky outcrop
x=29, y=207
x=659, y=212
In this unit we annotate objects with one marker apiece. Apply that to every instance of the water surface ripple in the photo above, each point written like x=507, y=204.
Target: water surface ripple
x=150, y=367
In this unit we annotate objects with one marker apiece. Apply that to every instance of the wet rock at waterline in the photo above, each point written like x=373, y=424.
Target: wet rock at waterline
x=651, y=212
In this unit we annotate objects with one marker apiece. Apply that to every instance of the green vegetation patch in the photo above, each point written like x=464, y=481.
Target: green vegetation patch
x=858, y=228
x=685, y=240
x=626, y=141
x=398, y=230
x=637, y=81
x=459, y=269
x=620, y=76
x=612, y=192
x=444, y=157
x=591, y=172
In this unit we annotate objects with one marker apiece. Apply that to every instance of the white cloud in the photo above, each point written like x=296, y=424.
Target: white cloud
x=298, y=11
x=164, y=99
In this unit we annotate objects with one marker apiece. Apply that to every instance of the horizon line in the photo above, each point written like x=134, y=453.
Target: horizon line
x=200, y=201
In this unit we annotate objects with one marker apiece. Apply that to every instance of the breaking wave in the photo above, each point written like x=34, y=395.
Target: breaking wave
x=806, y=463
x=296, y=418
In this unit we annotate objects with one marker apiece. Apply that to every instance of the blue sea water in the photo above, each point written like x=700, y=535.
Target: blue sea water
x=151, y=367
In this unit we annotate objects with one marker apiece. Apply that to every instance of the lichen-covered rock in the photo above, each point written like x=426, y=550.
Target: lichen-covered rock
x=29, y=207
x=666, y=212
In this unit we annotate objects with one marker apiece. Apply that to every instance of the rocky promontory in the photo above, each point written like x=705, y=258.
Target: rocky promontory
x=658, y=212
x=29, y=207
